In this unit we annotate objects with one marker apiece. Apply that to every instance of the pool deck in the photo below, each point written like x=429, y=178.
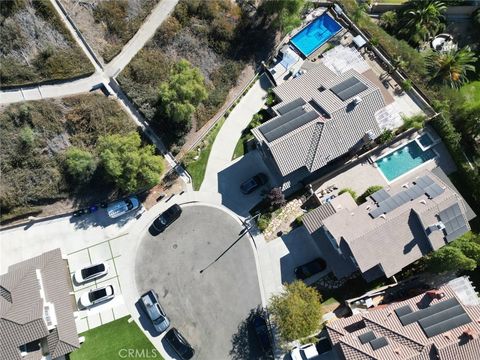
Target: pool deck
x=360, y=177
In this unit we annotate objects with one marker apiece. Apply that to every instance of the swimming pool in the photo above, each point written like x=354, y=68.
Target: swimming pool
x=315, y=34
x=401, y=161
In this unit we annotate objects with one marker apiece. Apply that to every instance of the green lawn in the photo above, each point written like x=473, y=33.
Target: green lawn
x=196, y=168
x=115, y=340
x=241, y=144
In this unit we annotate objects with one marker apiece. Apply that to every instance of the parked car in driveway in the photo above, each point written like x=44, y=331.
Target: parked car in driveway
x=252, y=184
x=167, y=217
x=179, y=344
x=155, y=311
x=97, y=296
x=121, y=207
x=309, y=269
x=91, y=272
x=263, y=334
x=304, y=352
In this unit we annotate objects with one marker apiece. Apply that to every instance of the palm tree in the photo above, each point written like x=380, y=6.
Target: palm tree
x=388, y=20
x=423, y=19
x=451, y=68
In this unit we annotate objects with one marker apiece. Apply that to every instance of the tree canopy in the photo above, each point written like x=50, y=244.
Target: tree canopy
x=461, y=254
x=451, y=68
x=422, y=19
x=130, y=165
x=297, y=311
x=286, y=13
x=180, y=95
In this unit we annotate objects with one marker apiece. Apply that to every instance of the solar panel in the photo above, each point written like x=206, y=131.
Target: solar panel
x=404, y=310
x=281, y=120
x=434, y=190
x=420, y=314
x=441, y=316
x=379, y=343
x=367, y=337
x=380, y=195
x=414, y=192
x=290, y=106
x=454, y=222
x=447, y=325
x=290, y=126
x=348, y=88
x=424, y=181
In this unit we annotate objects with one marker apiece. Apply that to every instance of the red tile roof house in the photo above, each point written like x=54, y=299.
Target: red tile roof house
x=36, y=310
x=436, y=325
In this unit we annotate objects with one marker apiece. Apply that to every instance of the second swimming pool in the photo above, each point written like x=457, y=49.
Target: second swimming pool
x=403, y=160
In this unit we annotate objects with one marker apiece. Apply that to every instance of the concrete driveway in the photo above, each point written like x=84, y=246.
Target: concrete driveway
x=208, y=308
x=230, y=178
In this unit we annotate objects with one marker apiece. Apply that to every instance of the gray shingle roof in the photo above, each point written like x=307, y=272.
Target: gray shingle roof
x=339, y=127
x=21, y=321
x=397, y=239
x=406, y=341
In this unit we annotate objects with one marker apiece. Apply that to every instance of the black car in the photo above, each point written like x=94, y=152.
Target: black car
x=179, y=344
x=252, y=184
x=263, y=334
x=309, y=269
x=167, y=217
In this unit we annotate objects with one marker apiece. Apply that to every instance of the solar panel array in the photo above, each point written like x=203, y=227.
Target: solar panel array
x=380, y=196
x=349, y=88
x=290, y=106
x=437, y=319
x=423, y=185
x=379, y=343
x=286, y=123
x=367, y=337
x=454, y=222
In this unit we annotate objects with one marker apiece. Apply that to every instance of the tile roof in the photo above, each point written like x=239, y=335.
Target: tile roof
x=407, y=341
x=22, y=318
x=396, y=239
x=339, y=126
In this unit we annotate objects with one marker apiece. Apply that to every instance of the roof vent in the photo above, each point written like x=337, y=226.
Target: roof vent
x=357, y=100
x=423, y=202
x=470, y=333
x=383, y=216
x=448, y=335
x=436, y=227
x=396, y=351
x=436, y=294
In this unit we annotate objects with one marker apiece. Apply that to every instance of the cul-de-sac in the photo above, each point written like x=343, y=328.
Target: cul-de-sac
x=240, y=179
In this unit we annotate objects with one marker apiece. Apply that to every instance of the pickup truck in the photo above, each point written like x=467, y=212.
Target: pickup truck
x=118, y=208
x=155, y=311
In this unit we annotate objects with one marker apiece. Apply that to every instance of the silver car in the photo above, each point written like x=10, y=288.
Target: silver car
x=121, y=207
x=155, y=311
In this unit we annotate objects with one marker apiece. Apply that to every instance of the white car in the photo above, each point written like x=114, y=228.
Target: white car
x=119, y=208
x=304, y=352
x=97, y=296
x=91, y=272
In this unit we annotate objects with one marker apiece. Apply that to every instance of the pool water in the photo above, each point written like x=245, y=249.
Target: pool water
x=315, y=34
x=403, y=160
x=425, y=140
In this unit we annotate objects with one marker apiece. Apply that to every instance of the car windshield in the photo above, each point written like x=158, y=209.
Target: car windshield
x=92, y=270
x=97, y=294
x=129, y=204
x=159, y=320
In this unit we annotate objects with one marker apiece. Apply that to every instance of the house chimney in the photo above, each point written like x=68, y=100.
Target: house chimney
x=436, y=294
x=470, y=333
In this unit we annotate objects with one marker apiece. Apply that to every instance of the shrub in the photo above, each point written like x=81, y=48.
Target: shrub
x=80, y=164
x=27, y=137
x=276, y=198
x=386, y=136
x=350, y=191
x=372, y=189
x=406, y=85
x=413, y=122
x=263, y=221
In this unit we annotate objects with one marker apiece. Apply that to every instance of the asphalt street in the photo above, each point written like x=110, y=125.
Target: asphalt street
x=210, y=308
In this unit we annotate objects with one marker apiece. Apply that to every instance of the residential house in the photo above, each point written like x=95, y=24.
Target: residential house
x=440, y=324
x=36, y=309
x=321, y=116
x=394, y=228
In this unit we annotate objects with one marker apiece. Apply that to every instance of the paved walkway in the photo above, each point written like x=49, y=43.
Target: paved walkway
x=231, y=131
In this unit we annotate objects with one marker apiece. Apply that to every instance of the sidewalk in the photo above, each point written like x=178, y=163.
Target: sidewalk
x=231, y=131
